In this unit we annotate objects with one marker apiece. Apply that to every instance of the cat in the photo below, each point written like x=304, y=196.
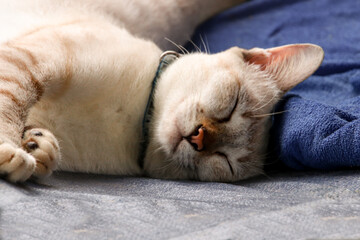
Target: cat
x=76, y=77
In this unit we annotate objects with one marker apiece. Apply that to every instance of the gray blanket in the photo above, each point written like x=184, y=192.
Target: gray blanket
x=289, y=205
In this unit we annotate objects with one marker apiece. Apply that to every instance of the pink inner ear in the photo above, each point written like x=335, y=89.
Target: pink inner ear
x=271, y=56
x=286, y=51
x=258, y=59
x=287, y=65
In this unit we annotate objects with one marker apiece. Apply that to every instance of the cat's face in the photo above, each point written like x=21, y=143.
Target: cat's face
x=212, y=116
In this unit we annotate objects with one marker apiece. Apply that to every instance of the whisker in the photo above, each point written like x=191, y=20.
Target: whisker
x=181, y=48
x=165, y=166
x=259, y=102
x=196, y=47
x=158, y=149
x=203, y=43
x=184, y=50
x=207, y=44
x=268, y=114
x=171, y=164
x=262, y=173
x=265, y=104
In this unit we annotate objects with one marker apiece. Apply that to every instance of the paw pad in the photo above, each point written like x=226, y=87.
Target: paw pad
x=32, y=145
x=37, y=133
x=44, y=147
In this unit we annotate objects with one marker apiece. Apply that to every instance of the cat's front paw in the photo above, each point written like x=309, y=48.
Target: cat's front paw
x=15, y=163
x=43, y=145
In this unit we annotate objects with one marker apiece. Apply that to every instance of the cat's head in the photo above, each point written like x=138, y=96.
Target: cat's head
x=212, y=112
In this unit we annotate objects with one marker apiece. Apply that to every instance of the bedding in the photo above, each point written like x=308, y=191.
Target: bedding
x=319, y=130
x=320, y=126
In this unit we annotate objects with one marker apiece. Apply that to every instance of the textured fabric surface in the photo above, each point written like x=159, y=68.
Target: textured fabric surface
x=281, y=206
x=321, y=127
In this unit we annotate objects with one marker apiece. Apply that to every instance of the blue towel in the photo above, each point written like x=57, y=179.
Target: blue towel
x=321, y=127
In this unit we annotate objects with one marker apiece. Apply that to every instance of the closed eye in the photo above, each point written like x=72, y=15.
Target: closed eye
x=231, y=113
x=227, y=160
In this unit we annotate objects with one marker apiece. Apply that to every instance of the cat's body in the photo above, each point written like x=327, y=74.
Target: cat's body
x=76, y=71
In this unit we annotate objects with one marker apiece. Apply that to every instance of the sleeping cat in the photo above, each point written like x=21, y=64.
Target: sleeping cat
x=76, y=79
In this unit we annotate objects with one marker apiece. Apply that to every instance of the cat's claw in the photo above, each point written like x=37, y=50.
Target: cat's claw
x=15, y=163
x=44, y=147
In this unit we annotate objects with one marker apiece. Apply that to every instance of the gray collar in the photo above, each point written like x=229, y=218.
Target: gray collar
x=166, y=59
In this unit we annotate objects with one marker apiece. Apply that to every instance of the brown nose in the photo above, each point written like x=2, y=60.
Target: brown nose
x=198, y=139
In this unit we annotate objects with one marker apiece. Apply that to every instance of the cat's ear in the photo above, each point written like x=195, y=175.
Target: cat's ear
x=289, y=65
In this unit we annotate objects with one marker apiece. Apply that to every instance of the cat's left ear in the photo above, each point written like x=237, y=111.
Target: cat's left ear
x=289, y=65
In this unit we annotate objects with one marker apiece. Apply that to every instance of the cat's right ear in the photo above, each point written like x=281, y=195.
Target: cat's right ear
x=288, y=65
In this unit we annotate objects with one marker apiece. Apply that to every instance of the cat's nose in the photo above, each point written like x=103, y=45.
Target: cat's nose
x=198, y=138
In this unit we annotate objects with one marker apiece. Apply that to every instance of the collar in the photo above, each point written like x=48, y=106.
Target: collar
x=166, y=59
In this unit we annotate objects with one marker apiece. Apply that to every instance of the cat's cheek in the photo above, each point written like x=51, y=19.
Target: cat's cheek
x=169, y=129
x=167, y=135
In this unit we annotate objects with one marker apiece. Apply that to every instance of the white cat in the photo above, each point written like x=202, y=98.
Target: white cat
x=79, y=76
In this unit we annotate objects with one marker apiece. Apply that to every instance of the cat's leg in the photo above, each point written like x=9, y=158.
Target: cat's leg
x=164, y=21
x=34, y=66
x=18, y=90
x=44, y=147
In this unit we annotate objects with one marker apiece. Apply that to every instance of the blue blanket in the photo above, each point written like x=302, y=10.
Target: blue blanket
x=321, y=126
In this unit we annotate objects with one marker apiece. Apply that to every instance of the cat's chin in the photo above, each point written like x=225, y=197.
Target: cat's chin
x=158, y=166
x=181, y=166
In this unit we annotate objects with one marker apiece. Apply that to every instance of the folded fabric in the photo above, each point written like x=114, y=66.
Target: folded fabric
x=320, y=127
